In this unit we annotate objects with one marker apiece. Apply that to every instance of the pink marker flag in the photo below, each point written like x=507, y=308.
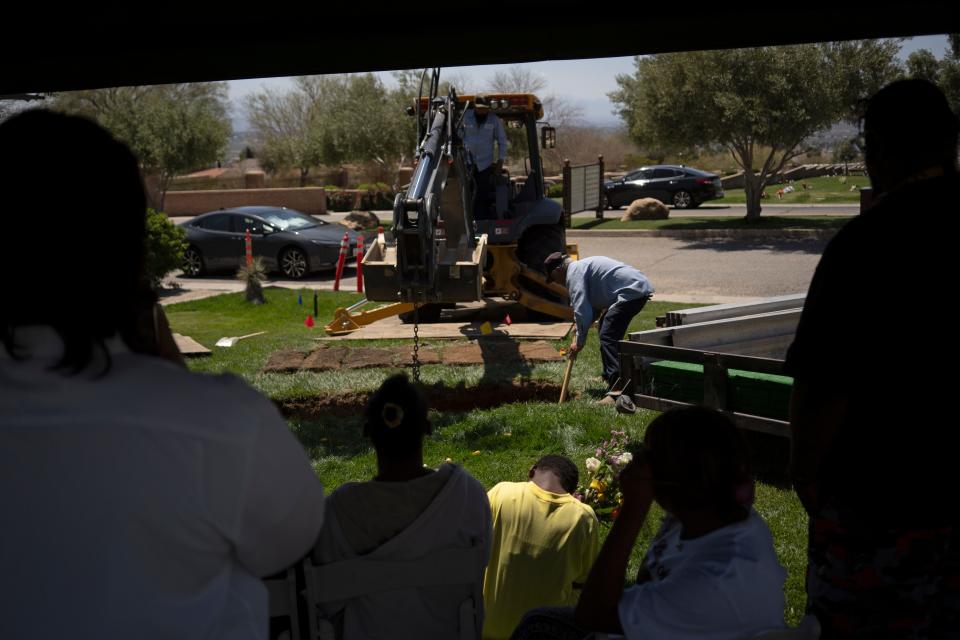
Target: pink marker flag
x=507, y=320
x=309, y=321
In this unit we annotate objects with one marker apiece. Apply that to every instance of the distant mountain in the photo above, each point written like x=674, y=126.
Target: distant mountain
x=830, y=138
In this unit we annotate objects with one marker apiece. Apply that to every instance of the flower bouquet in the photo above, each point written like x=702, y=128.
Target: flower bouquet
x=601, y=488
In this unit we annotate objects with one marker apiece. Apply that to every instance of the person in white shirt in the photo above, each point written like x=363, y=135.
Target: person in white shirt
x=392, y=549
x=711, y=571
x=139, y=500
x=481, y=129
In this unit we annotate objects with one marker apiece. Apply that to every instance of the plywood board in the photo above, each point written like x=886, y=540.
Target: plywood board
x=190, y=347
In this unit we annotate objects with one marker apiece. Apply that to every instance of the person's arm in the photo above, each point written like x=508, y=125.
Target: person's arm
x=597, y=609
x=589, y=548
x=282, y=505
x=816, y=413
x=501, y=144
x=821, y=361
x=582, y=311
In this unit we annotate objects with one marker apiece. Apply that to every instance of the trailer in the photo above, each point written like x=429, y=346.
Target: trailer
x=726, y=357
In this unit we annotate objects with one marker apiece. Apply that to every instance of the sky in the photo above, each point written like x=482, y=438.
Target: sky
x=584, y=83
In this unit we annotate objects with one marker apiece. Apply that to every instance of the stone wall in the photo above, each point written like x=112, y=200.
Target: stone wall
x=309, y=200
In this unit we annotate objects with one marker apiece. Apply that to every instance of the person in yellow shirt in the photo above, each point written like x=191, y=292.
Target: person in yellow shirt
x=544, y=543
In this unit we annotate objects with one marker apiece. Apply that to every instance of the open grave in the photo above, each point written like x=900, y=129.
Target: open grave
x=440, y=397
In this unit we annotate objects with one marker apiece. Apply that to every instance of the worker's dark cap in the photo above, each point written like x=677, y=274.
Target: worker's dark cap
x=482, y=102
x=553, y=261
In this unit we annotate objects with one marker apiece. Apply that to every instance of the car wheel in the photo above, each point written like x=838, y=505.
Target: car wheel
x=605, y=201
x=682, y=199
x=293, y=263
x=192, y=262
x=539, y=241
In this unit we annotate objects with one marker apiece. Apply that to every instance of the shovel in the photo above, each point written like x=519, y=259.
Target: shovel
x=232, y=340
x=566, y=381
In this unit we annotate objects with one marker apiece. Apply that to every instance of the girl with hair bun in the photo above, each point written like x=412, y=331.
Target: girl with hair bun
x=408, y=515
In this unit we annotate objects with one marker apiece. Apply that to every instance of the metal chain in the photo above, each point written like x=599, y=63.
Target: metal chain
x=416, y=343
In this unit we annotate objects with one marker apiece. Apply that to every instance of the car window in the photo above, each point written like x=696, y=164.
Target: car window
x=664, y=173
x=250, y=224
x=638, y=175
x=218, y=222
x=289, y=220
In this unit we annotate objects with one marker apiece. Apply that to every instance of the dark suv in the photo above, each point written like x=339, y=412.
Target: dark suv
x=683, y=187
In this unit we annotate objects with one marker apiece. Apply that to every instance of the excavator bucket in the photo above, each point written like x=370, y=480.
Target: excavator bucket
x=459, y=274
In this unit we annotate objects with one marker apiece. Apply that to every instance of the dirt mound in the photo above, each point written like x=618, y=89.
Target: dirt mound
x=439, y=397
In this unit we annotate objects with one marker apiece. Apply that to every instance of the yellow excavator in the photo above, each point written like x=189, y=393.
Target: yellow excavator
x=442, y=252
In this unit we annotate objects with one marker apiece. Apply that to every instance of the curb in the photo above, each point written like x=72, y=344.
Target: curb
x=786, y=234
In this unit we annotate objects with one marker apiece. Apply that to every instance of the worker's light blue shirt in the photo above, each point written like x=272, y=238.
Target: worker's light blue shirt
x=600, y=283
x=479, y=139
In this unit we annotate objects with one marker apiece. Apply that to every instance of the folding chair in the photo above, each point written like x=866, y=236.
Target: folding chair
x=282, y=593
x=362, y=576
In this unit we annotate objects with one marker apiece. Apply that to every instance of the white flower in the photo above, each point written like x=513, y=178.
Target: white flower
x=592, y=464
x=625, y=458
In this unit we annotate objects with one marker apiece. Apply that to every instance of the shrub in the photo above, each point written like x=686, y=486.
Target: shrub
x=165, y=244
x=253, y=275
x=339, y=200
x=555, y=190
x=375, y=195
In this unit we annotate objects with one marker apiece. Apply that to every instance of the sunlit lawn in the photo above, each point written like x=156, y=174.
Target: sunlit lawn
x=493, y=444
x=611, y=220
x=823, y=190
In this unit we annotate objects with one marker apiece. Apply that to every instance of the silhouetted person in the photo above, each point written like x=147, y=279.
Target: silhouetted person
x=139, y=500
x=403, y=554
x=872, y=413
x=711, y=570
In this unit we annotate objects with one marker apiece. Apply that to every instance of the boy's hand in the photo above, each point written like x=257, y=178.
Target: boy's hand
x=573, y=350
x=636, y=484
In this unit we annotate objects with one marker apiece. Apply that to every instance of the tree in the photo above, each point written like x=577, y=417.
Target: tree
x=171, y=129
x=945, y=73
x=924, y=65
x=760, y=103
x=517, y=79
x=332, y=119
x=287, y=127
x=950, y=72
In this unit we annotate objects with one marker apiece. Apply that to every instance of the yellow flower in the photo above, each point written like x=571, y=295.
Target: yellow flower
x=598, y=485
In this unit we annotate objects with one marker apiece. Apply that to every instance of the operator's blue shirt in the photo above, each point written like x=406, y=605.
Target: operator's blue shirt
x=479, y=138
x=600, y=283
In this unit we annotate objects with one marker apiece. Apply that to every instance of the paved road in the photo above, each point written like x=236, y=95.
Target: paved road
x=701, y=270
x=715, y=269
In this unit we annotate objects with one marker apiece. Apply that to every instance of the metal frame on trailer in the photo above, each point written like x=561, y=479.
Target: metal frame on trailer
x=715, y=380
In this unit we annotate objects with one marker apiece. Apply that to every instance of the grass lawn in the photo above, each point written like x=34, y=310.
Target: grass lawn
x=493, y=444
x=823, y=190
x=612, y=221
